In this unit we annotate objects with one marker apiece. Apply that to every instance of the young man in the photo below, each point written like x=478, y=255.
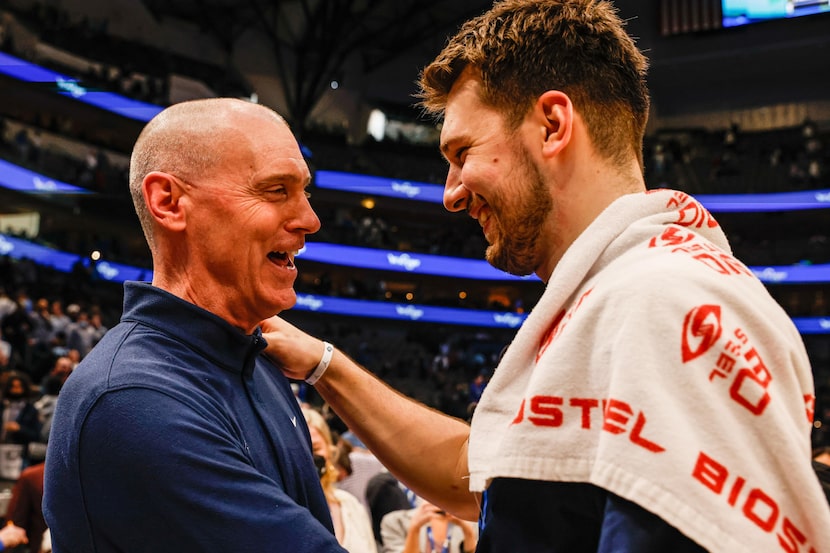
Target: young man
x=174, y=433
x=656, y=398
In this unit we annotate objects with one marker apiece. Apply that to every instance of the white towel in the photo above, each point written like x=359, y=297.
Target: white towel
x=657, y=366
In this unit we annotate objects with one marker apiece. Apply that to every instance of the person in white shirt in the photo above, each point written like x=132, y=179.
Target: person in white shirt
x=352, y=525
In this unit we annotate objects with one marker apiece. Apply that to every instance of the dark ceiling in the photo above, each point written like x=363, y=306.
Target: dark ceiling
x=759, y=64
x=312, y=39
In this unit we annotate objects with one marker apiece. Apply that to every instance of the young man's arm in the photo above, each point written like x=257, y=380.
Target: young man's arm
x=424, y=448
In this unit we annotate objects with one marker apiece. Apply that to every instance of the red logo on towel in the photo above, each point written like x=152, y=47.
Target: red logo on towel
x=810, y=404
x=758, y=507
x=701, y=329
x=740, y=363
x=559, y=324
x=690, y=213
x=672, y=237
x=617, y=417
x=688, y=242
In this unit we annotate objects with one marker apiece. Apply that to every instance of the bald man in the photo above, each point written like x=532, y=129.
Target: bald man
x=175, y=433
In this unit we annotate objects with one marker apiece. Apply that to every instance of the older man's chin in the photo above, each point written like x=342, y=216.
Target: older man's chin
x=284, y=300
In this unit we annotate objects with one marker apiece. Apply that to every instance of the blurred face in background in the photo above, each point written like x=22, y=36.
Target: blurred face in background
x=16, y=389
x=322, y=450
x=318, y=443
x=63, y=368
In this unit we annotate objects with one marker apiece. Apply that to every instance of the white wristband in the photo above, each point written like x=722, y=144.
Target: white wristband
x=314, y=376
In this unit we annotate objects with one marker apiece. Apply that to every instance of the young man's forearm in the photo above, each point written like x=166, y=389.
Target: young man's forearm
x=424, y=448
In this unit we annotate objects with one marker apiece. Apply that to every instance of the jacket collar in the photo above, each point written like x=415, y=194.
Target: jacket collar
x=203, y=331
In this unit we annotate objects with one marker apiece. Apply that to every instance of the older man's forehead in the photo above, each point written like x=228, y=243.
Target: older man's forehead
x=280, y=169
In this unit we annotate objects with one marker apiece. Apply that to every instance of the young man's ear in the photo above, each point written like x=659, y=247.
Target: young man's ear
x=555, y=113
x=162, y=193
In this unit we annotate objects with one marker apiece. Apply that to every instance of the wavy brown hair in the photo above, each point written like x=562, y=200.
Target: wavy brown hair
x=522, y=48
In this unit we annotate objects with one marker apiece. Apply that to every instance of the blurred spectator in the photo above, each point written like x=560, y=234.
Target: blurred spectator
x=427, y=529
x=5, y=353
x=23, y=145
x=36, y=149
x=84, y=331
x=45, y=405
x=821, y=464
x=728, y=163
x=16, y=328
x=7, y=305
x=341, y=460
x=24, y=508
x=815, y=172
x=21, y=424
x=40, y=340
x=63, y=367
x=96, y=324
x=12, y=536
x=384, y=494
x=352, y=526
x=811, y=141
x=364, y=466
x=42, y=329
x=58, y=317
x=477, y=386
x=660, y=162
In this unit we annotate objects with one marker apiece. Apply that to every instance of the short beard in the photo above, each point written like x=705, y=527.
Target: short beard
x=520, y=229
